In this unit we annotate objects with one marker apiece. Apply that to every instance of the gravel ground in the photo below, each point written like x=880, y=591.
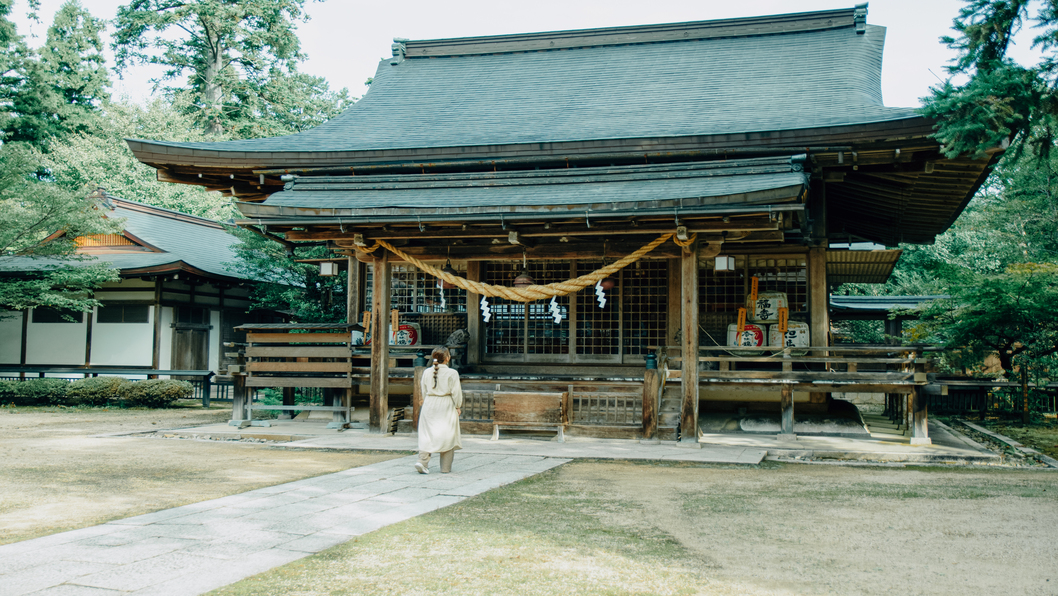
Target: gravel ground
x=61, y=472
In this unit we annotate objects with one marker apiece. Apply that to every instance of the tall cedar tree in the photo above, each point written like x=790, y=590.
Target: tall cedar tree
x=59, y=89
x=226, y=48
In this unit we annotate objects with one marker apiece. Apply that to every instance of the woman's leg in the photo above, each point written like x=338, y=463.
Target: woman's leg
x=446, y=460
x=424, y=462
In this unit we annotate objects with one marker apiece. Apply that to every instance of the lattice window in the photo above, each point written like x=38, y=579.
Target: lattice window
x=527, y=328
x=720, y=295
x=644, y=303
x=413, y=291
x=789, y=275
x=598, y=327
x=103, y=240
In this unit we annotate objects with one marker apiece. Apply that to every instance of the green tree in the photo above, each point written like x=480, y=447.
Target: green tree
x=38, y=223
x=226, y=48
x=83, y=162
x=291, y=287
x=1001, y=100
x=287, y=103
x=58, y=90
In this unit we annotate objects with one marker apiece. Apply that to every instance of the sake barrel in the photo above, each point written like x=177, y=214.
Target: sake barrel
x=752, y=337
x=796, y=336
x=765, y=309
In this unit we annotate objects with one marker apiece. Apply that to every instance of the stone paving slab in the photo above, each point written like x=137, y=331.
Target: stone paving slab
x=200, y=547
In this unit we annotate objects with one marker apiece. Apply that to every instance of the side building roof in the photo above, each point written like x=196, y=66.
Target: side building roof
x=156, y=241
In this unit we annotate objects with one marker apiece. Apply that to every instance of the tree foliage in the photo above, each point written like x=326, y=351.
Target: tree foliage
x=291, y=287
x=1001, y=100
x=239, y=57
x=83, y=162
x=57, y=90
x=31, y=213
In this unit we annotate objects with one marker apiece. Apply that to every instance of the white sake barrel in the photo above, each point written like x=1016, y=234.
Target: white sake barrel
x=752, y=337
x=765, y=309
x=796, y=336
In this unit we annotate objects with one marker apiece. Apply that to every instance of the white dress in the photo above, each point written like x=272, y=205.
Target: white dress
x=438, y=420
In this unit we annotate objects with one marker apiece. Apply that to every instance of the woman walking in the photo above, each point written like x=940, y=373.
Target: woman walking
x=439, y=417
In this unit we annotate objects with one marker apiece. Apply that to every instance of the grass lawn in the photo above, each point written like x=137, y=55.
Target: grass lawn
x=1041, y=436
x=627, y=528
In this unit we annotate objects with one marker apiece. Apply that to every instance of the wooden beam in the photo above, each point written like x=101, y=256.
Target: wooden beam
x=689, y=343
x=380, y=301
x=735, y=224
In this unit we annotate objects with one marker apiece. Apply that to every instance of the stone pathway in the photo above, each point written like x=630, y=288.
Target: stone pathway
x=200, y=547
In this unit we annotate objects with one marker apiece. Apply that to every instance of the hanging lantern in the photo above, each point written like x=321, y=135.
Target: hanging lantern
x=524, y=280
x=444, y=285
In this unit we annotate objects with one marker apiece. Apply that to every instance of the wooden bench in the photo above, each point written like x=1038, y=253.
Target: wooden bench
x=528, y=411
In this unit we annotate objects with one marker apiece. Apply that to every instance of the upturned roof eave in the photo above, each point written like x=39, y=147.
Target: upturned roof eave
x=162, y=153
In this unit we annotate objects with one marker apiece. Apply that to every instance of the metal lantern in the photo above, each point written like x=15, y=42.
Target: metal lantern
x=524, y=280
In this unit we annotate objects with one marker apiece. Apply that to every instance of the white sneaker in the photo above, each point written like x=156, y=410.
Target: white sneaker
x=421, y=468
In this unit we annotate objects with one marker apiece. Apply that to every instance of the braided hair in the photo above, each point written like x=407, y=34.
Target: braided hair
x=439, y=356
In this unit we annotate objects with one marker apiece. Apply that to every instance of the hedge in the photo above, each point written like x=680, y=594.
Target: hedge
x=34, y=392
x=95, y=391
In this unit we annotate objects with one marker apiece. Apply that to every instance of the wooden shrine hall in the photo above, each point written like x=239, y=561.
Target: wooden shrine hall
x=635, y=223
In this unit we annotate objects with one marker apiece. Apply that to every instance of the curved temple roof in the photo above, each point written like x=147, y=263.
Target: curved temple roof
x=786, y=72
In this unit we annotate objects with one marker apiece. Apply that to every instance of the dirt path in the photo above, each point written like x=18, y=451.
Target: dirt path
x=57, y=474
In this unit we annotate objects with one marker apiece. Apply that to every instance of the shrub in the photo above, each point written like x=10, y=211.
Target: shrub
x=97, y=391
x=33, y=392
x=156, y=393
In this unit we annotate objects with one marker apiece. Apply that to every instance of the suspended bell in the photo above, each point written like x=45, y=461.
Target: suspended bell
x=523, y=280
x=608, y=283
x=445, y=285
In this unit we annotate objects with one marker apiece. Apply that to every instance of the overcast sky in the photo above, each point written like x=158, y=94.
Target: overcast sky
x=346, y=39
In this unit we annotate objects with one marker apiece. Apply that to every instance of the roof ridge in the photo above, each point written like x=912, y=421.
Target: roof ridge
x=634, y=34
x=164, y=212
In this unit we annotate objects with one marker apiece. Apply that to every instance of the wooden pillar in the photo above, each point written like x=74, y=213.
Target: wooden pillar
x=238, y=400
x=157, y=345
x=689, y=343
x=353, y=293
x=787, y=406
x=476, y=340
x=380, y=301
x=289, y=397
x=919, y=427
x=818, y=307
x=1025, y=417
x=88, y=337
x=651, y=388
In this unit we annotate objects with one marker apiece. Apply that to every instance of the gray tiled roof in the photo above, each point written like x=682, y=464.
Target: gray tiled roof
x=200, y=243
x=714, y=86
x=647, y=187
